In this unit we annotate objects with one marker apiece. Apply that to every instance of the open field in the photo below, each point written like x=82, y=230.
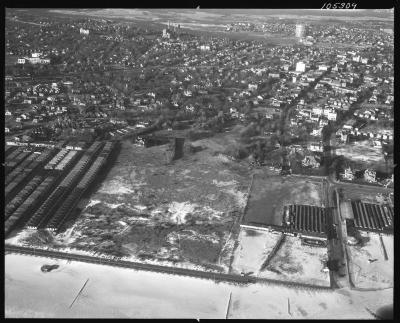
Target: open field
x=253, y=249
x=362, y=151
x=214, y=21
x=214, y=24
x=270, y=194
x=180, y=213
x=10, y=59
x=153, y=14
x=365, y=193
x=299, y=263
x=230, y=15
x=368, y=265
x=123, y=293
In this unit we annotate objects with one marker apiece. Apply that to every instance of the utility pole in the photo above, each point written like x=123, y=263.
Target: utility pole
x=227, y=308
x=179, y=238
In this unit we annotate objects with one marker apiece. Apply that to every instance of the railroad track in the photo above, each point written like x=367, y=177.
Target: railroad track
x=129, y=264
x=217, y=277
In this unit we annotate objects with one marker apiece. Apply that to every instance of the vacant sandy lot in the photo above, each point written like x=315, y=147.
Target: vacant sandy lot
x=299, y=263
x=368, y=264
x=253, y=249
x=178, y=213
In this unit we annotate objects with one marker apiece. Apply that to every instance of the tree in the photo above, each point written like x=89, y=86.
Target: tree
x=249, y=131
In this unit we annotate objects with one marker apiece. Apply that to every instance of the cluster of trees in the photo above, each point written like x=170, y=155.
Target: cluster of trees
x=215, y=123
x=42, y=133
x=79, y=135
x=237, y=151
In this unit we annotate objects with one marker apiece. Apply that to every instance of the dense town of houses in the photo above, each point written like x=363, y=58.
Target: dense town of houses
x=191, y=74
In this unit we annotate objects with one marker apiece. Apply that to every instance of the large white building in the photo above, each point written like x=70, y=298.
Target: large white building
x=300, y=67
x=166, y=33
x=300, y=31
x=84, y=31
x=205, y=47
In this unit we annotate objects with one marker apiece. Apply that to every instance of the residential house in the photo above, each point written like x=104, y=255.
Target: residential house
x=332, y=115
x=315, y=146
x=310, y=161
x=348, y=174
x=253, y=87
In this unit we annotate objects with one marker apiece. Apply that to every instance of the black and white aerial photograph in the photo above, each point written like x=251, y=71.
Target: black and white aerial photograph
x=199, y=163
